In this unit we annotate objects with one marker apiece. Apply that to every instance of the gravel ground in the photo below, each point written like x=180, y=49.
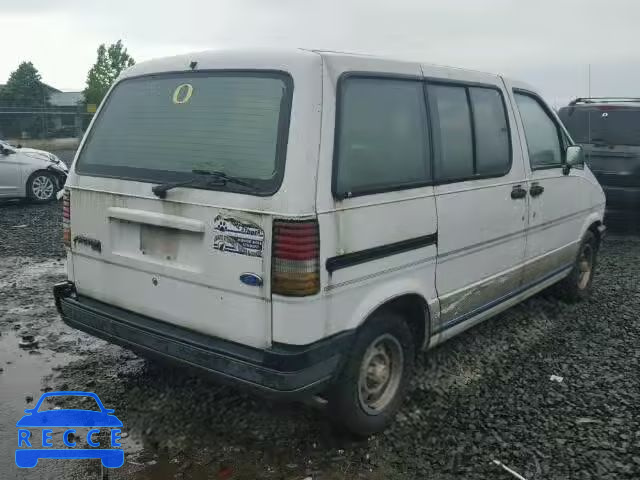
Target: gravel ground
x=484, y=396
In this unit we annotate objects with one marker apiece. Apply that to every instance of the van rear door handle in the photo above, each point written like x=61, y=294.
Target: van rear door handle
x=536, y=190
x=518, y=192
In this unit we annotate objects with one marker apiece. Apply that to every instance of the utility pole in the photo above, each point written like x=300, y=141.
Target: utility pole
x=589, y=111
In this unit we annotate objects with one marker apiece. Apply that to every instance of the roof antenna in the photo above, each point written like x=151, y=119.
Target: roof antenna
x=193, y=65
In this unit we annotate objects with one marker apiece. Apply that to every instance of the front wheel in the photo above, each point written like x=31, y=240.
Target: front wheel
x=42, y=187
x=372, y=385
x=577, y=286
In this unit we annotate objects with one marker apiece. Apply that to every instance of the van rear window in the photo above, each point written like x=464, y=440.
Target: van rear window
x=606, y=125
x=160, y=128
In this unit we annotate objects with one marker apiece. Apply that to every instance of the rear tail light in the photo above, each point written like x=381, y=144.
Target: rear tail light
x=66, y=218
x=295, y=265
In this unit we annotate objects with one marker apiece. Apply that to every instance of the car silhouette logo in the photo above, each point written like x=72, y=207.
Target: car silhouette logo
x=27, y=453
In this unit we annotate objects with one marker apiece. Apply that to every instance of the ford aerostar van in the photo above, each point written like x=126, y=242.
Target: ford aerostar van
x=305, y=222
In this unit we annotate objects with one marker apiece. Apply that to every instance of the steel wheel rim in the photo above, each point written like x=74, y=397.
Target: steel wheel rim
x=585, y=266
x=380, y=374
x=42, y=187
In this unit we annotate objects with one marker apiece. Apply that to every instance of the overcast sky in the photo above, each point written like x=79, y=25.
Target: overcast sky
x=548, y=43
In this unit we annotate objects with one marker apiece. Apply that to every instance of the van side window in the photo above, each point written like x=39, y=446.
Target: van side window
x=541, y=132
x=456, y=137
x=473, y=132
x=381, y=138
x=493, y=149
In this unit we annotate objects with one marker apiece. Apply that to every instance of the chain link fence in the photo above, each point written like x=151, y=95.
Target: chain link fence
x=43, y=122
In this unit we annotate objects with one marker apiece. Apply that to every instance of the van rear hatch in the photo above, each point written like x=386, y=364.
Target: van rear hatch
x=610, y=136
x=182, y=259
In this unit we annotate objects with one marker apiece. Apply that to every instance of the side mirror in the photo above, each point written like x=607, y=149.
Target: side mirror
x=574, y=157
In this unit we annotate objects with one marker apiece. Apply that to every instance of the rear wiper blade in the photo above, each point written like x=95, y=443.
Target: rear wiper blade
x=224, y=178
x=204, y=178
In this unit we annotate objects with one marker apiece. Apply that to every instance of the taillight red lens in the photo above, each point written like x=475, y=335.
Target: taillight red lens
x=296, y=265
x=66, y=218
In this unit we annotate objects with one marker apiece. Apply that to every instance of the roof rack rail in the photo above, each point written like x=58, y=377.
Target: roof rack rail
x=604, y=100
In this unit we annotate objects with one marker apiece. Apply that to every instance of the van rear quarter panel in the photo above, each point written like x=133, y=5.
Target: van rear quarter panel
x=348, y=296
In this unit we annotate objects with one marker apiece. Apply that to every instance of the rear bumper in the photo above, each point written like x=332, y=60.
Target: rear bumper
x=282, y=370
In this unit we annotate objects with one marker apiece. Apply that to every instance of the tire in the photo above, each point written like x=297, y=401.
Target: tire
x=352, y=407
x=576, y=287
x=42, y=187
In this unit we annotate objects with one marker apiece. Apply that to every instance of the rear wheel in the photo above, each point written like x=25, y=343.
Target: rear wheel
x=372, y=385
x=577, y=286
x=42, y=187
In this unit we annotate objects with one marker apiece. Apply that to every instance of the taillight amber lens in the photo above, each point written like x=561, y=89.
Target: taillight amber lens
x=295, y=263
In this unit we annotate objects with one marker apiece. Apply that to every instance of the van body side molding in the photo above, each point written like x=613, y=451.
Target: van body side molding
x=375, y=253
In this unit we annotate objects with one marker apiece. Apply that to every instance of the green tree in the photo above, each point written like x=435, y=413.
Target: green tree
x=24, y=90
x=111, y=61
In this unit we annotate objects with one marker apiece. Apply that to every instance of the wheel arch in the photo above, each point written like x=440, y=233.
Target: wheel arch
x=61, y=176
x=595, y=229
x=593, y=224
x=410, y=303
x=35, y=172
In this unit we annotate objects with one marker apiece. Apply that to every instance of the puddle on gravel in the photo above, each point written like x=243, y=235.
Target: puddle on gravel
x=21, y=384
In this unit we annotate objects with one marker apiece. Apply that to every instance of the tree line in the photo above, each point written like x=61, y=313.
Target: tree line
x=25, y=90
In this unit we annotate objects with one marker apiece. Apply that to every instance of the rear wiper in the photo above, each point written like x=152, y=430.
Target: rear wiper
x=205, y=178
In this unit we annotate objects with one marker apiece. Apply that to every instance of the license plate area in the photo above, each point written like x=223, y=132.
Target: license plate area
x=171, y=247
x=160, y=243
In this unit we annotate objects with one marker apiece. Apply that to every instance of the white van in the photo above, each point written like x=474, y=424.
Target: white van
x=304, y=222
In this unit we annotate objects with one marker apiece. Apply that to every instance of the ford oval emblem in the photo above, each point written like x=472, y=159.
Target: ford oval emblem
x=251, y=279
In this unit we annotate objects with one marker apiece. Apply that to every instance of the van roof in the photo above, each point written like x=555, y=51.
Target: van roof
x=334, y=53
x=276, y=57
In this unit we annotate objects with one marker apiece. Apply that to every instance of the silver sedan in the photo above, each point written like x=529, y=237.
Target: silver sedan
x=30, y=173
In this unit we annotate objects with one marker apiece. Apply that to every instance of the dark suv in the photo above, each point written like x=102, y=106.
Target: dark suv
x=608, y=129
